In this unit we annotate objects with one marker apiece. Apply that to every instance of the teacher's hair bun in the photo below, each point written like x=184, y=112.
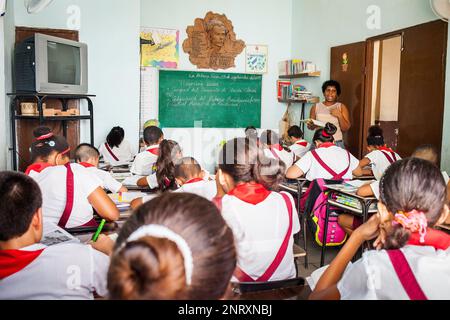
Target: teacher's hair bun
x=330, y=129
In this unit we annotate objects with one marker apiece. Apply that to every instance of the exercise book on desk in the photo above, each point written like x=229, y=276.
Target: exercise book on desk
x=53, y=235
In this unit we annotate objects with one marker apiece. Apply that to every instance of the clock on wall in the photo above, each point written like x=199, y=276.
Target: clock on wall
x=35, y=6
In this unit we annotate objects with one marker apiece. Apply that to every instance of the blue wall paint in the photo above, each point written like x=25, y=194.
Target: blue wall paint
x=111, y=30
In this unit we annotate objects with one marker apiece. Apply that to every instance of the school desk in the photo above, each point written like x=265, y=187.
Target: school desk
x=297, y=187
x=363, y=208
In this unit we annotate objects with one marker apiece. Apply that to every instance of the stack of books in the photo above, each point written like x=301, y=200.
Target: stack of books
x=284, y=89
x=295, y=66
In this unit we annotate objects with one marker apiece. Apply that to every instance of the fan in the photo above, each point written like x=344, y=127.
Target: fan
x=35, y=6
x=441, y=8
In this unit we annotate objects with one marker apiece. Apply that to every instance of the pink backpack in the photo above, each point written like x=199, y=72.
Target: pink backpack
x=314, y=204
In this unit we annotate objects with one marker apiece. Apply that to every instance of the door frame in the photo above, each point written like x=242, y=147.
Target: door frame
x=367, y=112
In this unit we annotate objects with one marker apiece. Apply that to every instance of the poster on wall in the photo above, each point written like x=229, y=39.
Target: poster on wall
x=160, y=47
x=256, y=59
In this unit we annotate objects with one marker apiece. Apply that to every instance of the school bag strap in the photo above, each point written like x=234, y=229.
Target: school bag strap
x=406, y=275
x=69, y=197
x=244, y=277
x=335, y=176
x=110, y=152
x=391, y=158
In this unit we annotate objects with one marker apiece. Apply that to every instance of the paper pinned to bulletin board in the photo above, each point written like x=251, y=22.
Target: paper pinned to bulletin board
x=160, y=47
x=256, y=59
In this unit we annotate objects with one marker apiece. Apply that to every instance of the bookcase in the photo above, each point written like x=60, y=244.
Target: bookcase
x=303, y=100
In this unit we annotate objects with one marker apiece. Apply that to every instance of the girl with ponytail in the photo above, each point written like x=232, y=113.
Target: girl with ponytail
x=412, y=258
x=326, y=161
x=46, y=150
x=164, y=176
x=273, y=148
x=176, y=246
x=263, y=220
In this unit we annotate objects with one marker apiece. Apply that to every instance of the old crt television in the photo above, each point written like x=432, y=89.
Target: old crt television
x=46, y=64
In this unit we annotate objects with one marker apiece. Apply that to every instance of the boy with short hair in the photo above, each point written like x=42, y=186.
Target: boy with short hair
x=88, y=156
x=190, y=177
x=30, y=270
x=144, y=161
x=299, y=146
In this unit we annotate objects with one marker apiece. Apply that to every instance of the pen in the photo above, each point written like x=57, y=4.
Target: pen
x=99, y=229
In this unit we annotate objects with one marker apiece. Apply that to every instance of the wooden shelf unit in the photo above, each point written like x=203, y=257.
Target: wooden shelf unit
x=314, y=74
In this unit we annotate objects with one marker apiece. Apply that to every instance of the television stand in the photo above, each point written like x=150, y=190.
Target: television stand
x=40, y=99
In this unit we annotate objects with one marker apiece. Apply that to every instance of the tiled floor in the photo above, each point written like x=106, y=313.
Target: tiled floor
x=313, y=251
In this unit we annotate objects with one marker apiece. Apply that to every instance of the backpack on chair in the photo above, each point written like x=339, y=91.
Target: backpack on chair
x=315, y=212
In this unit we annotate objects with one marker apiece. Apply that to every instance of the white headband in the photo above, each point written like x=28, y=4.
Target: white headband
x=158, y=231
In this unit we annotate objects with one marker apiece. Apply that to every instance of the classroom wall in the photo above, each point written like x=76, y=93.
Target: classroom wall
x=318, y=25
x=255, y=22
x=110, y=28
x=6, y=50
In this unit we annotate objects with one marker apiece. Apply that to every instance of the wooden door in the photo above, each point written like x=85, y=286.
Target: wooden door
x=25, y=127
x=422, y=86
x=348, y=68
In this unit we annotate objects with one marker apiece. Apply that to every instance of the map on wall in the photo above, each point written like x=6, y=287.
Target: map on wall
x=159, y=47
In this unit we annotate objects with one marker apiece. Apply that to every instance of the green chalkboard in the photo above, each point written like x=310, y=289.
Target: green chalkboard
x=218, y=100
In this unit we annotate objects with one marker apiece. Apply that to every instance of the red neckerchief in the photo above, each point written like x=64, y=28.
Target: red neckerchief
x=194, y=180
x=385, y=149
x=434, y=238
x=302, y=143
x=252, y=193
x=38, y=167
x=277, y=147
x=86, y=165
x=326, y=145
x=154, y=151
x=12, y=261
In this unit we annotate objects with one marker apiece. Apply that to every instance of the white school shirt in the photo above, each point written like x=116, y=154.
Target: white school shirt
x=108, y=182
x=68, y=271
x=152, y=180
x=144, y=162
x=375, y=186
x=287, y=157
x=52, y=182
x=124, y=153
x=205, y=189
x=379, y=162
x=299, y=148
x=259, y=231
x=373, y=276
x=336, y=158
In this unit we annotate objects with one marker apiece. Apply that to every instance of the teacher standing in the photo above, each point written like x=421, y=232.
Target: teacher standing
x=330, y=110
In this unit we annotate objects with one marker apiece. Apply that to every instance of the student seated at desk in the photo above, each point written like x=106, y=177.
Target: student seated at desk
x=272, y=148
x=429, y=152
x=189, y=177
x=143, y=164
x=163, y=178
x=379, y=159
x=263, y=221
x=412, y=259
x=45, y=141
x=70, y=191
x=176, y=246
x=88, y=156
x=299, y=146
x=116, y=150
x=327, y=161
x=30, y=270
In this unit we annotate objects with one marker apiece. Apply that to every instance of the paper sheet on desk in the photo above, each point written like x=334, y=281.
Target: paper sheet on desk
x=52, y=235
x=359, y=183
x=131, y=181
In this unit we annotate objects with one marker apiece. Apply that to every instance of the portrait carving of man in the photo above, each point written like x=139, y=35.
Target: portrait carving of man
x=211, y=42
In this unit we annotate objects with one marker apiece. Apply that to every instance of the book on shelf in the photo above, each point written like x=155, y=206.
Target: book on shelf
x=295, y=67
